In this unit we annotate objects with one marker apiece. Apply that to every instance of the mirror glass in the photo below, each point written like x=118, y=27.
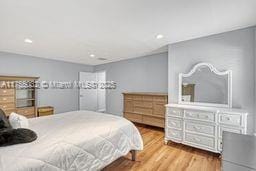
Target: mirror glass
x=205, y=86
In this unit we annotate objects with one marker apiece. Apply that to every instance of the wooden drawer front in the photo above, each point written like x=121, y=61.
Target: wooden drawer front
x=133, y=117
x=137, y=97
x=128, y=106
x=147, y=98
x=46, y=113
x=234, y=130
x=199, y=115
x=229, y=119
x=159, y=109
x=28, y=111
x=162, y=99
x=138, y=103
x=128, y=97
x=7, y=106
x=174, y=123
x=6, y=92
x=140, y=110
x=145, y=104
x=153, y=121
x=175, y=112
x=195, y=127
x=173, y=133
x=200, y=140
x=7, y=99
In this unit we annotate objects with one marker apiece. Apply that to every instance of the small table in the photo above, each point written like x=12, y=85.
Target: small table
x=45, y=111
x=239, y=152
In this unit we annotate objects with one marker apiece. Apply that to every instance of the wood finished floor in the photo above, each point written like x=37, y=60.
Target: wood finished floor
x=157, y=156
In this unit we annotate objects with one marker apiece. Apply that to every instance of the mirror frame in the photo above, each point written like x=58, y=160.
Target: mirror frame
x=217, y=72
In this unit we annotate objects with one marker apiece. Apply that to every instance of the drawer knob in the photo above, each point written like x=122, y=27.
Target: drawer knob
x=4, y=99
x=228, y=118
x=206, y=116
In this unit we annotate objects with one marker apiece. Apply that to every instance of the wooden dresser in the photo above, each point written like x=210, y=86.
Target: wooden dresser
x=145, y=108
x=17, y=95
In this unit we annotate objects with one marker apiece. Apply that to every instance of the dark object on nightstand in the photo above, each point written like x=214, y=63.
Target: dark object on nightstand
x=45, y=111
x=239, y=152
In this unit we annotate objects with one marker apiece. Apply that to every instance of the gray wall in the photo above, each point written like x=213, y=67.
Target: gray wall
x=48, y=70
x=232, y=50
x=145, y=74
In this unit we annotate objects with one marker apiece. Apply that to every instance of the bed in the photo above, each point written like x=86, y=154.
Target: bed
x=73, y=141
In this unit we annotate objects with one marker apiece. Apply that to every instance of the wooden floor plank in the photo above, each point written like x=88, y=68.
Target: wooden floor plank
x=157, y=156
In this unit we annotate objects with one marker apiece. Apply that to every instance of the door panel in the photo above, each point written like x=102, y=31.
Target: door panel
x=88, y=97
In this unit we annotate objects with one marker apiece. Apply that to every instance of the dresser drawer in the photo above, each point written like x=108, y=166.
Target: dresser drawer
x=138, y=103
x=162, y=99
x=128, y=97
x=174, y=112
x=137, y=97
x=27, y=111
x=200, y=140
x=153, y=121
x=6, y=99
x=7, y=106
x=147, y=98
x=199, y=115
x=230, y=119
x=128, y=105
x=173, y=133
x=174, y=123
x=146, y=104
x=133, y=117
x=159, y=109
x=6, y=92
x=227, y=129
x=142, y=110
x=200, y=128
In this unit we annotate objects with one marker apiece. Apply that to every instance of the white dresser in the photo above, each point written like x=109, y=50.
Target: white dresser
x=202, y=126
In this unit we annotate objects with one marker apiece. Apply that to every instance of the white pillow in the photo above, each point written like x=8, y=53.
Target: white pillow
x=18, y=121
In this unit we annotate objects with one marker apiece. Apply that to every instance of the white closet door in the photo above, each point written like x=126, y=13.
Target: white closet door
x=88, y=97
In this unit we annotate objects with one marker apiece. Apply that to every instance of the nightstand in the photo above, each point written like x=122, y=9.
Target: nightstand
x=45, y=111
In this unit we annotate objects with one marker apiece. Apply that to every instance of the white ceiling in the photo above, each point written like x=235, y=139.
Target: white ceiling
x=71, y=30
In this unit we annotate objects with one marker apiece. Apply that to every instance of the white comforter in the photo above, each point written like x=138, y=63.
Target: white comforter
x=77, y=141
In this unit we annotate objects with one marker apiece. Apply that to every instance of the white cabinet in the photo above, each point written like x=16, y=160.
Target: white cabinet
x=202, y=127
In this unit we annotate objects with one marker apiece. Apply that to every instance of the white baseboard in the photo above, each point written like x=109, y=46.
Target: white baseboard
x=254, y=133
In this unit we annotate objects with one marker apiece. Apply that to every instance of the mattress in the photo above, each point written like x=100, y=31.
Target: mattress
x=72, y=141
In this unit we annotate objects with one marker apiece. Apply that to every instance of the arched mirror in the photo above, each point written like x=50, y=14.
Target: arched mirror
x=205, y=85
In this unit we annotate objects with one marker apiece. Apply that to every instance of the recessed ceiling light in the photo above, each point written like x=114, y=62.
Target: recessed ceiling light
x=28, y=40
x=159, y=36
x=92, y=55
